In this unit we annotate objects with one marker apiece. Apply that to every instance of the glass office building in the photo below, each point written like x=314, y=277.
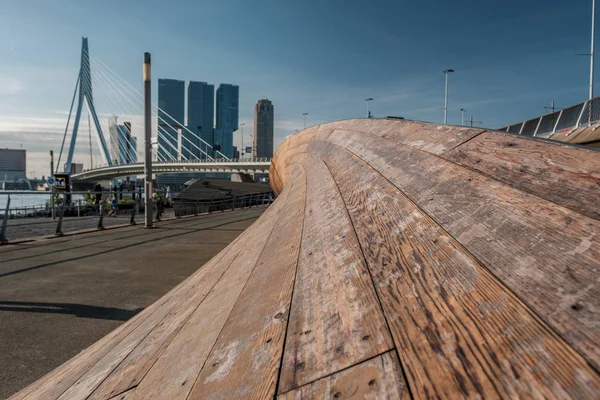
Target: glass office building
x=263, y=128
x=228, y=111
x=171, y=114
x=200, y=119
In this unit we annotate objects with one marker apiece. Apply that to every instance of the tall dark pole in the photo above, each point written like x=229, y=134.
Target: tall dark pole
x=52, y=186
x=147, y=143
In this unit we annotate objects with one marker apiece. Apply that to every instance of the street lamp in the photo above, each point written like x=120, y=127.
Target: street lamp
x=592, y=52
x=462, y=118
x=369, y=100
x=305, y=114
x=446, y=97
x=243, y=148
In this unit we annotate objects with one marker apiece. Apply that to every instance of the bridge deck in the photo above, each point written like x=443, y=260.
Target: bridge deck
x=401, y=260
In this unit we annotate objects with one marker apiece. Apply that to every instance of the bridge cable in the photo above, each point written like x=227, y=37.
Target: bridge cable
x=68, y=120
x=167, y=114
x=170, y=126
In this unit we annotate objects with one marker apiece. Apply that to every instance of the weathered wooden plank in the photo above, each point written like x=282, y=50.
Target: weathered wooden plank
x=183, y=358
x=459, y=332
x=564, y=175
x=432, y=138
x=123, y=396
x=335, y=320
x=87, y=369
x=246, y=358
x=378, y=378
x=546, y=254
x=135, y=366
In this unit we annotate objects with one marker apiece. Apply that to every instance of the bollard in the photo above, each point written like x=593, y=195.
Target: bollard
x=101, y=214
x=61, y=212
x=3, y=239
x=79, y=208
x=133, y=211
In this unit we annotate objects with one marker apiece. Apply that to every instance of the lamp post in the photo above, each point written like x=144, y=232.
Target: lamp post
x=369, y=100
x=304, y=114
x=462, y=118
x=592, y=51
x=243, y=148
x=446, y=97
x=147, y=144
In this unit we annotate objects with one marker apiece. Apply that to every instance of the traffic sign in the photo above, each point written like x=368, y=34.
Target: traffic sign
x=61, y=182
x=51, y=181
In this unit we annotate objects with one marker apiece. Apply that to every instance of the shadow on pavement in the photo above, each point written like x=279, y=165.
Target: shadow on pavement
x=78, y=310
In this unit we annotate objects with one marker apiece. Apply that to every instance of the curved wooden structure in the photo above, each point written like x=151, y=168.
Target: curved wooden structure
x=400, y=260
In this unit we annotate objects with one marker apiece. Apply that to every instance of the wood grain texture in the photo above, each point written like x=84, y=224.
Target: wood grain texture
x=184, y=357
x=459, y=332
x=246, y=358
x=378, y=378
x=336, y=320
x=548, y=255
x=193, y=287
x=135, y=366
x=535, y=167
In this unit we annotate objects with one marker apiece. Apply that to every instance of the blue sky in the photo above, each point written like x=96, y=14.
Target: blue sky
x=321, y=57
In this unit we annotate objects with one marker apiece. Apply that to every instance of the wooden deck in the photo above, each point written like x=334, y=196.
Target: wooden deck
x=400, y=260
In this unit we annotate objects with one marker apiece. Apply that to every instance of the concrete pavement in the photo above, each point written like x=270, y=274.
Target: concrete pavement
x=60, y=295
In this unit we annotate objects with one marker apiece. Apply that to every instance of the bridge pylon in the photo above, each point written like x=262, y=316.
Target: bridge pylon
x=85, y=94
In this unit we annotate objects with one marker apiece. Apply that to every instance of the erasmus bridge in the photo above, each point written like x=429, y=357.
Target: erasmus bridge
x=107, y=96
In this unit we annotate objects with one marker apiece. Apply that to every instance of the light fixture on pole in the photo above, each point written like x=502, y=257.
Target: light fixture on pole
x=369, y=100
x=446, y=97
x=462, y=118
x=592, y=51
x=243, y=148
x=305, y=114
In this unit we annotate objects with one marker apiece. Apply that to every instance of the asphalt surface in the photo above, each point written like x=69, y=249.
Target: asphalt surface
x=25, y=228
x=60, y=295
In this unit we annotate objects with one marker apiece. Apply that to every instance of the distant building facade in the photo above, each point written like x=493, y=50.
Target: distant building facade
x=171, y=113
x=76, y=168
x=228, y=112
x=13, y=165
x=263, y=128
x=200, y=119
x=123, y=146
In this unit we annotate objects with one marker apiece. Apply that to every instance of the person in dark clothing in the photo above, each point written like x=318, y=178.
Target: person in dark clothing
x=98, y=190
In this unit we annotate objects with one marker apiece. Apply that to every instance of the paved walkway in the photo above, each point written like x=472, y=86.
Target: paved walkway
x=60, y=295
x=25, y=228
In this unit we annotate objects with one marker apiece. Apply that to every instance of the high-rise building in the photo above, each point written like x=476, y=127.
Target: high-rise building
x=114, y=139
x=171, y=113
x=200, y=119
x=228, y=111
x=13, y=164
x=123, y=146
x=263, y=129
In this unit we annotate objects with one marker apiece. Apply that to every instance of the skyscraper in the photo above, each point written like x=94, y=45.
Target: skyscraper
x=263, y=129
x=200, y=119
x=123, y=146
x=114, y=138
x=171, y=113
x=228, y=111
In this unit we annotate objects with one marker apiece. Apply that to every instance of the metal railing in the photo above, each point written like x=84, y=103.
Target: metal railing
x=567, y=119
x=260, y=160
x=60, y=216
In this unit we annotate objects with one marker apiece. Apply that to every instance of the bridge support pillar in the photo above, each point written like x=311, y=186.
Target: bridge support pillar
x=242, y=177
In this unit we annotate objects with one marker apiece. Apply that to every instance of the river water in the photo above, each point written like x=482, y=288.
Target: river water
x=33, y=198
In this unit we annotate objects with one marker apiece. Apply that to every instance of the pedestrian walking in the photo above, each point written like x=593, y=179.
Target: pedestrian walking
x=114, y=206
